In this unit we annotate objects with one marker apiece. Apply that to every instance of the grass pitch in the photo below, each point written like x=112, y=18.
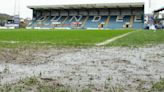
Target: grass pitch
x=12, y=38
x=62, y=38
x=141, y=38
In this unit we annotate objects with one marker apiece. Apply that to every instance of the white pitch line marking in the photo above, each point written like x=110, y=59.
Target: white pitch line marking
x=14, y=42
x=113, y=39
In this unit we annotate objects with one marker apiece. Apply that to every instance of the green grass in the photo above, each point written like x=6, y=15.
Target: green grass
x=34, y=84
x=86, y=90
x=140, y=38
x=75, y=38
x=55, y=37
x=159, y=86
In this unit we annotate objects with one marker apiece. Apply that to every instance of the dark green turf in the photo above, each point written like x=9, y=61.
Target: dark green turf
x=56, y=37
x=141, y=38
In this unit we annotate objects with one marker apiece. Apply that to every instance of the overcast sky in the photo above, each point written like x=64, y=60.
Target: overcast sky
x=7, y=6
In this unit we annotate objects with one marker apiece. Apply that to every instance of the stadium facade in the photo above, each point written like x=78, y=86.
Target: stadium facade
x=159, y=18
x=88, y=16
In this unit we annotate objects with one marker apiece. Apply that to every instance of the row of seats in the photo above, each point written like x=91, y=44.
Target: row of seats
x=92, y=22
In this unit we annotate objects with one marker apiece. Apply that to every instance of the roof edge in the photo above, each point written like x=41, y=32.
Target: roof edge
x=65, y=6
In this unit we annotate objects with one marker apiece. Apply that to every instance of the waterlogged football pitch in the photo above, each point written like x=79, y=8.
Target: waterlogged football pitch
x=73, y=62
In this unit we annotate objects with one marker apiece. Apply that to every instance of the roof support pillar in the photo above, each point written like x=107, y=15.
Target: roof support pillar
x=120, y=12
x=50, y=12
x=98, y=12
x=68, y=12
x=78, y=11
x=87, y=12
x=58, y=12
x=108, y=11
x=131, y=11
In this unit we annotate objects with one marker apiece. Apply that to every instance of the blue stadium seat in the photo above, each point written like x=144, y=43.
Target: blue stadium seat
x=113, y=24
x=67, y=23
x=91, y=24
x=126, y=19
x=138, y=25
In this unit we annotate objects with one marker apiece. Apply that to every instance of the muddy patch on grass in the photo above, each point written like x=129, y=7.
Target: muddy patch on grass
x=100, y=68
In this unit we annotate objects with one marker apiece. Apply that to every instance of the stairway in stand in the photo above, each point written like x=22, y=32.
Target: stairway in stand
x=107, y=21
x=84, y=22
x=131, y=21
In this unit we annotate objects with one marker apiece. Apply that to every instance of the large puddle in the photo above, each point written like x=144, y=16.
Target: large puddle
x=99, y=66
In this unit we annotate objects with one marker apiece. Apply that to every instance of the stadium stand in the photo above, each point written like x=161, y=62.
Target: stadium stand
x=89, y=16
